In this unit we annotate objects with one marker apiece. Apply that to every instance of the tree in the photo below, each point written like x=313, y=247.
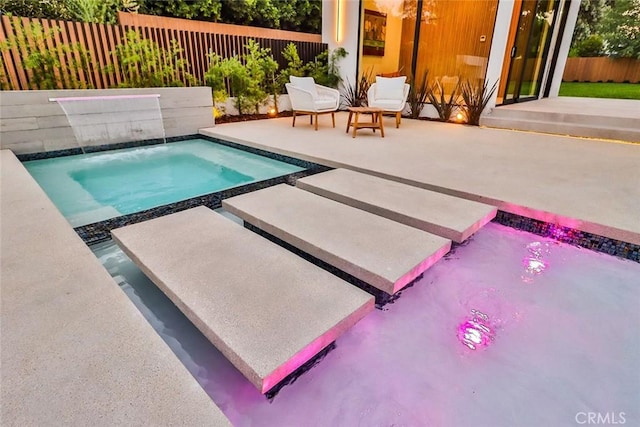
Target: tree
x=50, y=9
x=202, y=10
x=95, y=11
x=589, y=16
x=293, y=15
x=621, y=29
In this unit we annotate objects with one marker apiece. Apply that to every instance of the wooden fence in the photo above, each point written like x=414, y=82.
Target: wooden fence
x=100, y=40
x=602, y=69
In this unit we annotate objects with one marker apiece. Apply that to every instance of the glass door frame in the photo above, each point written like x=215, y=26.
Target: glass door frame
x=545, y=52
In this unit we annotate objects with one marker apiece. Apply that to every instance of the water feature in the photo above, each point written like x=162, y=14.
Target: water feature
x=92, y=187
x=559, y=346
x=102, y=120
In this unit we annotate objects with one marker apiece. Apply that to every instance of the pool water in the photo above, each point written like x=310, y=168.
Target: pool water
x=93, y=187
x=563, y=342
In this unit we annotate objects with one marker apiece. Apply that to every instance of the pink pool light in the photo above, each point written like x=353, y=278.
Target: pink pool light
x=533, y=265
x=475, y=332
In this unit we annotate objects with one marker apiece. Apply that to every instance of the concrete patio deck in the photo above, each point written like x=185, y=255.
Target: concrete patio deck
x=75, y=350
x=586, y=184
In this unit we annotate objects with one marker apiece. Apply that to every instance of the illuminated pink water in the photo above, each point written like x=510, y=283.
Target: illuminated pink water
x=563, y=340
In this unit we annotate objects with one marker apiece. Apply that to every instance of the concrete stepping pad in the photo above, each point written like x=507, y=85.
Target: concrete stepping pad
x=383, y=253
x=267, y=310
x=437, y=213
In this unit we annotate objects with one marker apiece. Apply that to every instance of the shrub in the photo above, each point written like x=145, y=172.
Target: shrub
x=324, y=69
x=589, y=47
x=295, y=66
x=43, y=65
x=145, y=64
x=251, y=78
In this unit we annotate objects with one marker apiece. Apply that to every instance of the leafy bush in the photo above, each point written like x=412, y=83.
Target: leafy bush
x=295, y=66
x=475, y=98
x=251, y=78
x=43, y=65
x=145, y=64
x=589, y=47
x=324, y=69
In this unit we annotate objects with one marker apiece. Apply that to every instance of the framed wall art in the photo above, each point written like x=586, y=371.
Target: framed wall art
x=375, y=31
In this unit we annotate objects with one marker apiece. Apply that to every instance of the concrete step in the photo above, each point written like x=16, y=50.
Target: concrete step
x=267, y=310
x=594, y=130
x=573, y=117
x=383, y=253
x=440, y=214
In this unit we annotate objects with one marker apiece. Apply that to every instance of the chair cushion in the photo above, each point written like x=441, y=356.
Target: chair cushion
x=388, y=104
x=325, y=103
x=305, y=83
x=390, y=87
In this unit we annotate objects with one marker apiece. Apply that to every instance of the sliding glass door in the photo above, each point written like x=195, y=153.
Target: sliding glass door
x=529, y=50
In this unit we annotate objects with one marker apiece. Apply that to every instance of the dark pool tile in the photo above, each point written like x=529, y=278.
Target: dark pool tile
x=570, y=235
x=99, y=231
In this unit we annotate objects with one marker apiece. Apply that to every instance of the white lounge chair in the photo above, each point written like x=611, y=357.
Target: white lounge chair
x=307, y=97
x=390, y=94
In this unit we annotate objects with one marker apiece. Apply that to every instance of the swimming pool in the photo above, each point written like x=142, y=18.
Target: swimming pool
x=563, y=322
x=88, y=188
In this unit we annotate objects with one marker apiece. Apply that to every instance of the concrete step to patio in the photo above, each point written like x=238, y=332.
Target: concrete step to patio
x=585, y=124
x=267, y=310
x=558, y=128
x=383, y=253
x=440, y=214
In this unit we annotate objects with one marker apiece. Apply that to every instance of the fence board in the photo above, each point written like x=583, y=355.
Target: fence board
x=602, y=69
x=100, y=41
x=52, y=48
x=13, y=78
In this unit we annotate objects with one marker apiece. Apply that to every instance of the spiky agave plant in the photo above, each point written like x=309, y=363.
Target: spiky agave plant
x=444, y=105
x=475, y=98
x=355, y=94
x=418, y=95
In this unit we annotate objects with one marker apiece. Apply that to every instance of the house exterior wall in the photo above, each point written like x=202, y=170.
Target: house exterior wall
x=346, y=34
x=498, y=47
x=340, y=28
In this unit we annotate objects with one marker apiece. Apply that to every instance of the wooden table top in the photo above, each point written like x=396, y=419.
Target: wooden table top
x=364, y=109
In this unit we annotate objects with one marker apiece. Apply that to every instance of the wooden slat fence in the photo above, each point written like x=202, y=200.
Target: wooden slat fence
x=602, y=69
x=100, y=41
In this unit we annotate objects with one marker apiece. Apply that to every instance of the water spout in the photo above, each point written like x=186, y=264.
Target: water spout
x=112, y=119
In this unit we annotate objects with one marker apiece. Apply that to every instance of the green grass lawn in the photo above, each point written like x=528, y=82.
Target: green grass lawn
x=601, y=90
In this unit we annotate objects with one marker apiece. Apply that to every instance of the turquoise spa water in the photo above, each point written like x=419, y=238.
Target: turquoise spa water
x=564, y=344
x=93, y=187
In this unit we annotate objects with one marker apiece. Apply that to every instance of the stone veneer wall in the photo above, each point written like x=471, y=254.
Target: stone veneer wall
x=30, y=123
